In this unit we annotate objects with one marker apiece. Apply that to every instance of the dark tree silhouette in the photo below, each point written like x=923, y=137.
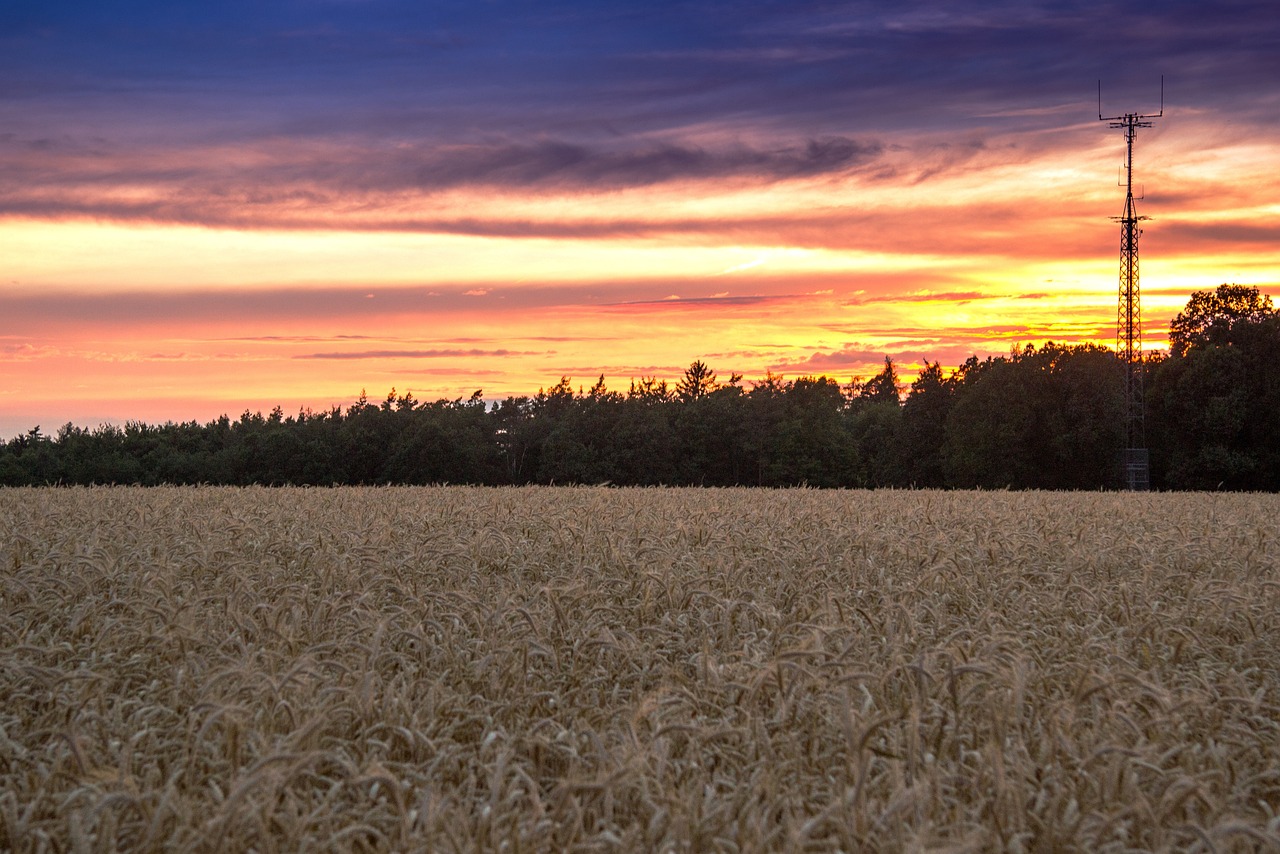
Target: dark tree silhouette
x=1039, y=418
x=1214, y=404
x=698, y=381
x=924, y=426
x=1211, y=315
x=883, y=387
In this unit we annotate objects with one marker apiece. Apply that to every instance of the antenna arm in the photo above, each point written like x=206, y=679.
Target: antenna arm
x=1125, y=118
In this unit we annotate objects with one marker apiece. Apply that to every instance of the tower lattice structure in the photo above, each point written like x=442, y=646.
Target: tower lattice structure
x=1136, y=462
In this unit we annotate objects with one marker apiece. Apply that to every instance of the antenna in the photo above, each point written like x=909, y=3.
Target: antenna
x=1136, y=462
x=1131, y=115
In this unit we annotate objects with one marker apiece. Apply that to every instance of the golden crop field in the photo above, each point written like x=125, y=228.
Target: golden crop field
x=542, y=669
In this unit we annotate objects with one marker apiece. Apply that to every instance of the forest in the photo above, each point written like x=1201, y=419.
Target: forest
x=1040, y=418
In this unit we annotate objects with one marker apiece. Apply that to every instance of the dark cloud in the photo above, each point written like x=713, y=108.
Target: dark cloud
x=1229, y=233
x=308, y=187
x=577, y=68
x=22, y=314
x=558, y=163
x=230, y=306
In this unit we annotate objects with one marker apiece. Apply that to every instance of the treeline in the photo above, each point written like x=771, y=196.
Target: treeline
x=1046, y=418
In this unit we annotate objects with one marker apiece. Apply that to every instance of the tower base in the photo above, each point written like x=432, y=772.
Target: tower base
x=1136, y=469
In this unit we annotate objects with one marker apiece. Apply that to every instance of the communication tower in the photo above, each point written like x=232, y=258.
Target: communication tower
x=1136, y=459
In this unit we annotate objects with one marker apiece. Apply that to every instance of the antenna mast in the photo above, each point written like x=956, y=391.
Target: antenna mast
x=1136, y=460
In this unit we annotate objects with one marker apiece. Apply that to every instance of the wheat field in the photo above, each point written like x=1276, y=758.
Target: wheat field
x=594, y=669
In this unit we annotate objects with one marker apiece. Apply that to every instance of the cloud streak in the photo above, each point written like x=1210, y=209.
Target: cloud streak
x=561, y=164
x=360, y=185
x=418, y=354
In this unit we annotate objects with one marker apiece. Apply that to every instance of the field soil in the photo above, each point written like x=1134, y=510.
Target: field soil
x=595, y=669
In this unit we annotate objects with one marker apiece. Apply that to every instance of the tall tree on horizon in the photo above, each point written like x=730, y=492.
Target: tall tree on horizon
x=698, y=381
x=1210, y=316
x=883, y=387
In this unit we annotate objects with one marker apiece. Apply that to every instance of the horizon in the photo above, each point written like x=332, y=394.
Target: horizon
x=579, y=387
x=213, y=209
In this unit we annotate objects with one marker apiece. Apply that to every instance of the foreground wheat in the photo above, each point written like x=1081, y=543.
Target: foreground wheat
x=594, y=669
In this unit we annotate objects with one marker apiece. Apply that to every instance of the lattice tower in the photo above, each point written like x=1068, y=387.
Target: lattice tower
x=1136, y=461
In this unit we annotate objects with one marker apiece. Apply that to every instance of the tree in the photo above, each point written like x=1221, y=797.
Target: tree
x=556, y=401
x=924, y=420
x=698, y=381
x=881, y=458
x=1210, y=316
x=600, y=392
x=1040, y=419
x=650, y=390
x=1089, y=434
x=717, y=445
x=518, y=436
x=802, y=433
x=1215, y=402
x=883, y=387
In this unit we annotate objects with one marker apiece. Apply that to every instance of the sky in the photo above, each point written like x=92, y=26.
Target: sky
x=213, y=207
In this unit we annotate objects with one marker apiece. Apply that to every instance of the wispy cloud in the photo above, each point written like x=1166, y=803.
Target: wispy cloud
x=694, y=302
x=589, y=372
x=850, y=357
x=924, y=296
x=289, y=179
x=25, y=352
x=415, y=354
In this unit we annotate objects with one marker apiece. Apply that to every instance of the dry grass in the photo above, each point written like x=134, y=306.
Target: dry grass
x=594, y=669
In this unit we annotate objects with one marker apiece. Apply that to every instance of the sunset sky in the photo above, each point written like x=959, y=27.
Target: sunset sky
x=213, y=207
